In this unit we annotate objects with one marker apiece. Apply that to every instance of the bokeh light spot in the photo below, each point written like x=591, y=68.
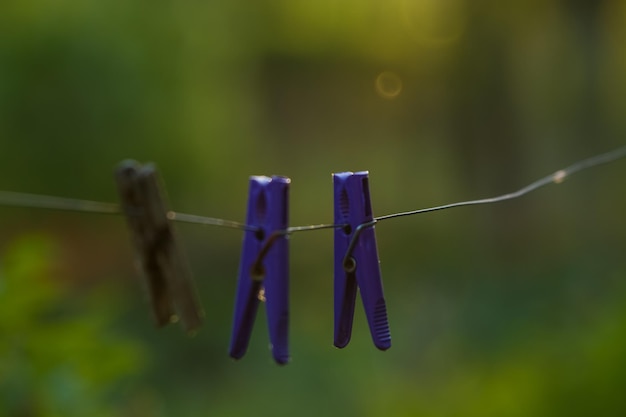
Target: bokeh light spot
x=388, y=85
x=559, y=177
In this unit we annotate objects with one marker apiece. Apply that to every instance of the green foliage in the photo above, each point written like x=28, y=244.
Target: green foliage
x=60, y=355
x=508, y=310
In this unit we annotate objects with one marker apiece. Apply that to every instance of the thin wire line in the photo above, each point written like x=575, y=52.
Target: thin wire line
x=355, y=237
x=211, y=221
x=313, y=227
x=556, y=177
x=257, y=268
x=15, y=199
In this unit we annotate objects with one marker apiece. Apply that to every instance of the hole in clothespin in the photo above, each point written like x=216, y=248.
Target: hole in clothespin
x=347, y=229
x=349, y=264
x=259, y=234
x=261, y=207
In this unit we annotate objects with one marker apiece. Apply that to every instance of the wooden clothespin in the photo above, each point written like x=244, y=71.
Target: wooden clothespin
x=167, y=276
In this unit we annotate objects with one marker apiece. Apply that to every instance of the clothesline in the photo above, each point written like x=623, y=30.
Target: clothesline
x=263, y=272
x=28, y=200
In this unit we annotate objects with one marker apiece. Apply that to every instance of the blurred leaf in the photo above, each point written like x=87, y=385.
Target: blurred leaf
x=59, y=356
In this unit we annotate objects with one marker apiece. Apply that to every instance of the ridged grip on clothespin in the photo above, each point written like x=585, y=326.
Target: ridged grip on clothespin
x=361, y=268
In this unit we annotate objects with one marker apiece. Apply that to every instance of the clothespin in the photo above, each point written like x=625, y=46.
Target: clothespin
x=356, y=261
x=264, y=268
x=167, y=277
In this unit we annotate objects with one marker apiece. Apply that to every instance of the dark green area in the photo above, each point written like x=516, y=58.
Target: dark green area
x=516, y=309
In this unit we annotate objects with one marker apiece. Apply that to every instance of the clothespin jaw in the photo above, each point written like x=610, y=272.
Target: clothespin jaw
x=264, y=268
x=361, y=268
x=167, y=276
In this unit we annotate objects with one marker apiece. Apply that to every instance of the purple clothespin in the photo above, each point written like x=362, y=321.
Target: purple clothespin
x=361, y=267
x=264, y=267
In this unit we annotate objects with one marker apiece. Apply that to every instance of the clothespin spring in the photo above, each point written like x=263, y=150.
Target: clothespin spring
x=257, y=272
x=349, y=263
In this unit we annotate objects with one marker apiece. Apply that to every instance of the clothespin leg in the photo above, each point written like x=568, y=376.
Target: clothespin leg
x=268, y=281
x=277, y=300
x=361, y=268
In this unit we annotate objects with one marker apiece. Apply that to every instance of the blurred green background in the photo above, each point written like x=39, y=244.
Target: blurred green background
x=515, y=309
